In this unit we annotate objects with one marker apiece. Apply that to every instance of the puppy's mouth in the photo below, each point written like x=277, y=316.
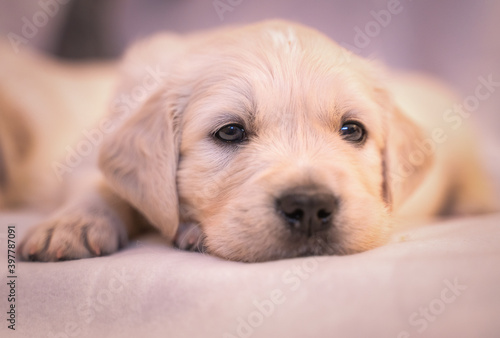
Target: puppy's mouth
x=190, y=237
x=317, y=244
x=300, y=223
x=313, y=247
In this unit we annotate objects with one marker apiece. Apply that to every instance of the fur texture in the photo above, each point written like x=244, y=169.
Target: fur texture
x=292, y=89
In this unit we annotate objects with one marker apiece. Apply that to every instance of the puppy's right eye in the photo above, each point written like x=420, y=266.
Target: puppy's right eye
x=353, y=132
x=232, y=133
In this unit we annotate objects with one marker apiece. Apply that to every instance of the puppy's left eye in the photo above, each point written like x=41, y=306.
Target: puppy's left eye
x=232, y=133
x=353, y=132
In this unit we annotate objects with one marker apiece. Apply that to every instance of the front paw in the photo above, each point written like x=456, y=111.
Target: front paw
x=72, y=235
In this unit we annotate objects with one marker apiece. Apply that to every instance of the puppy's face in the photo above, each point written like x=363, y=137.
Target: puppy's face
x=281, y=154
x=283, y=146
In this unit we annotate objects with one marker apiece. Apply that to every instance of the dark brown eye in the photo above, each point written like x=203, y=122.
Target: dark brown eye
x=353, y=132
x=232, y=133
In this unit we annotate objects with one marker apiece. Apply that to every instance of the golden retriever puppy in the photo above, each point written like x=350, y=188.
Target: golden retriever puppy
x=264, y=142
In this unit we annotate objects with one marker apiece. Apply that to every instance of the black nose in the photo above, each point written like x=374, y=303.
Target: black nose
x=307, y=211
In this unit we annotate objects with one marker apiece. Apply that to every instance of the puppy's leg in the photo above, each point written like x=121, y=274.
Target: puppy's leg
x=96, y=223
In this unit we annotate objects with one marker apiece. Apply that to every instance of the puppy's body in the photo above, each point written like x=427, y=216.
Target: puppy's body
x=45, y=106
x=252, y=135
x=455, y=184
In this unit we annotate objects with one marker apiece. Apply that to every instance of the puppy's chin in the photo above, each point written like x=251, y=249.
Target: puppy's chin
x=314, y=246
x=284, y=244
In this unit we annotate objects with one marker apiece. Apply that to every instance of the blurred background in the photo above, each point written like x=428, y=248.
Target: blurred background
x=455, y=40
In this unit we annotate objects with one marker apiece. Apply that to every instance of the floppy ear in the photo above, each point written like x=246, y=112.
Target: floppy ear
x=407, y=158
x=140, y=159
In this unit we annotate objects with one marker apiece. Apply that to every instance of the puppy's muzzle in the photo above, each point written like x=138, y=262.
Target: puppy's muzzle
x=307, y=210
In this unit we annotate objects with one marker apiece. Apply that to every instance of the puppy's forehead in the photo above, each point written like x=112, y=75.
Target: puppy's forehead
x=279, y=74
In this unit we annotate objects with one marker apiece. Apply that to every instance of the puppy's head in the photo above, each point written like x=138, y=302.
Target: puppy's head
x=271, y=137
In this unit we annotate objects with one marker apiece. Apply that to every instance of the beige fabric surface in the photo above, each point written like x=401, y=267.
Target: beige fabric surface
x=439, y=280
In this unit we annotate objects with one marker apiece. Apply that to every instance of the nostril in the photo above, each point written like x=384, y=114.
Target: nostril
x=324, y=215
x=295, y=215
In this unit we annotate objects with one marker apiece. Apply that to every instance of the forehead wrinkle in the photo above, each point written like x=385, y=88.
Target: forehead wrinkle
x=271, y=68
x=301, y=80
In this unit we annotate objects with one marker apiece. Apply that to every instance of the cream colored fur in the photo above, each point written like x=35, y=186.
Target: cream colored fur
x=292, y=88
